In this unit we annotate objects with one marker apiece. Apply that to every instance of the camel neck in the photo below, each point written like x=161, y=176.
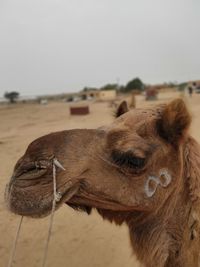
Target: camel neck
x=167, y=239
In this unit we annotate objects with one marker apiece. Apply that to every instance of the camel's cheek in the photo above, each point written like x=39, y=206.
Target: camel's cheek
x=140, y=192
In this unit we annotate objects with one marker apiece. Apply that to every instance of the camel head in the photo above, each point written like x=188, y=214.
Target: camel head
x=134, y=164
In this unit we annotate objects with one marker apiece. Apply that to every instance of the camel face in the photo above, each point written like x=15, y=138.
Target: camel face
x=134, y=164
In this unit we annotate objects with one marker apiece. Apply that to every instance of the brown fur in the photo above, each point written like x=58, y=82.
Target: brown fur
x=111, y=165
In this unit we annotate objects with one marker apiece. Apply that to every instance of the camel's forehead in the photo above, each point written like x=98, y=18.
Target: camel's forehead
x=139, y=116
x=143, y=114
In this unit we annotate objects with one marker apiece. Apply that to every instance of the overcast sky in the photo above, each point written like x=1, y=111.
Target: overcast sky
x=54, y=46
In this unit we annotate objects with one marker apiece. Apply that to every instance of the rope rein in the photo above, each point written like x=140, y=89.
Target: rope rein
x=56, y=197
x=12, y=255
x=52, y=216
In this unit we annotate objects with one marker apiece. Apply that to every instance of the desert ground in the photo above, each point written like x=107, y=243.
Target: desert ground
x=77, y=239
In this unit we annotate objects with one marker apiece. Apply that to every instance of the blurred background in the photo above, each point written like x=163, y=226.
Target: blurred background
x=68, y=64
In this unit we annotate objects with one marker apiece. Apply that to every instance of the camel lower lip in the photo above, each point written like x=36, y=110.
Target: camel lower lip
x=43, y=208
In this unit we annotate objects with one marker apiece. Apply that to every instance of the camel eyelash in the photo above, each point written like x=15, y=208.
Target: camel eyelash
x=128, y=159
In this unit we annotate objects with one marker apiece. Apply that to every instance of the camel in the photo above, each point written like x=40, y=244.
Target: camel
x=142, y=170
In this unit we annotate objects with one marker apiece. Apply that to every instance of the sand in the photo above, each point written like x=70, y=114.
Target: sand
x=77, y=239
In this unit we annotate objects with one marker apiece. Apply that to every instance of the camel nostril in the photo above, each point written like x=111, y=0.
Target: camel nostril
x=24, y=168
x=31, y=170
x=31, y=166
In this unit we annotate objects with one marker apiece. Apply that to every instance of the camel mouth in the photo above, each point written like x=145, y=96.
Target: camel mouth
x=90, y=200
x=21, y=194
x=29, y=178
x=40, y=208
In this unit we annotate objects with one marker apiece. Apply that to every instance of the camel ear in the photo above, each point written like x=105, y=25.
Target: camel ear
x=174, y=122
x=123, y=108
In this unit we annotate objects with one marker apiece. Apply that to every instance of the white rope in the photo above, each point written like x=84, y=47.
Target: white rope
x=52, y=216
x=12, y=255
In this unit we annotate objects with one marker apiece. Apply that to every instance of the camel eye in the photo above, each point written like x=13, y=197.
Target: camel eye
x=127, y=159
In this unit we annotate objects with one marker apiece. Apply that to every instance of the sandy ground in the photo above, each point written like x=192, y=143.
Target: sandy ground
x=77, y=239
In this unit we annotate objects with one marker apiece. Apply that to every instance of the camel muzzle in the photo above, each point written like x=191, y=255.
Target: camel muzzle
x=30, y=190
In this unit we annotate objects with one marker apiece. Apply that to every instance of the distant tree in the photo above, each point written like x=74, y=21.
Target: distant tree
x=172, y=84
x=121, y=88
x=85, y=89
x=110, y=86
x=11, y=96
x=135, y=84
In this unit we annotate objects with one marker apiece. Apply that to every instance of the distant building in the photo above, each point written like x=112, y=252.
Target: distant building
x=151, y=93
x=106, y=95
x=194, y=85
x=99, y=95
x=89, y=94
x=162, y=87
